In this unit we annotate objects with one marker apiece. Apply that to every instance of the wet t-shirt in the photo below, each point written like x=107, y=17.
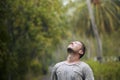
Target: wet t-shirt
x=72, y=71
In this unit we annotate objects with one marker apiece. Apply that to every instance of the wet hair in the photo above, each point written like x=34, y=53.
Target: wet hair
x=83, y=49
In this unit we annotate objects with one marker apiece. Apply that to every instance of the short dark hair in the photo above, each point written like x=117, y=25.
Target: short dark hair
x=83, y=49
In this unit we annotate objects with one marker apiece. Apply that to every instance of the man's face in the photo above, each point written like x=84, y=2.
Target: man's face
x=75, y=46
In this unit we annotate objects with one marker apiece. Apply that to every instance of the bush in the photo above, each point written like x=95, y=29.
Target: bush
x=106, y=70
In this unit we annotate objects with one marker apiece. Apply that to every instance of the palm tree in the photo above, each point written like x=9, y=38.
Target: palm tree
x=104, y=18
x=94, y=27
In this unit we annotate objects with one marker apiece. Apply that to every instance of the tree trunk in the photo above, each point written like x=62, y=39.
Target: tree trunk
x=94, y=27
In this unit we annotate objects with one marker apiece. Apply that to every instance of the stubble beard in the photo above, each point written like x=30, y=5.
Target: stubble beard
x=71, y=54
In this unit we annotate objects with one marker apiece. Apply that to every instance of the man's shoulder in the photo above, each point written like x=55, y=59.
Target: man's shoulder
x=84, y=64
x=87, y=71
x=59, y=64
x=86, y=67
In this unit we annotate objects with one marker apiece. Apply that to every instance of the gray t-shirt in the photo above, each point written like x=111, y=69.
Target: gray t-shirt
x=75, y=71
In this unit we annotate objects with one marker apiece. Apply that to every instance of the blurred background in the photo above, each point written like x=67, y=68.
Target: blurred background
x=34, y=35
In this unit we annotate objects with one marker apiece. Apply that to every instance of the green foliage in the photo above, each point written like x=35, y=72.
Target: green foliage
x=29, y=32
x=105, y=71
x=34, y=34
x=111, y=44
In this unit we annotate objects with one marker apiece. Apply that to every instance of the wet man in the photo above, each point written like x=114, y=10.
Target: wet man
x=73, y=68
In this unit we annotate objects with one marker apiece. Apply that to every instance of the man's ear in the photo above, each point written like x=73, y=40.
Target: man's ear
x=80, y=52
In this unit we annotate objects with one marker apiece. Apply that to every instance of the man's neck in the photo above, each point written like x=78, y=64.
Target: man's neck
x=72, y=58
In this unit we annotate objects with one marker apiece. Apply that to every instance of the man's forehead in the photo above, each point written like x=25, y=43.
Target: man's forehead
x=77, y=42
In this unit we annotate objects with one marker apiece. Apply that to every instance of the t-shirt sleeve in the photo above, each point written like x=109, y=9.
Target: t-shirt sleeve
x=88, y=73
x=53, y=74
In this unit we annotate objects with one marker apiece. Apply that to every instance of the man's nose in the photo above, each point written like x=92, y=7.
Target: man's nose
x=71, y=43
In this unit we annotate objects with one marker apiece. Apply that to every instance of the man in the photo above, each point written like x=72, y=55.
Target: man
x=73, y=68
